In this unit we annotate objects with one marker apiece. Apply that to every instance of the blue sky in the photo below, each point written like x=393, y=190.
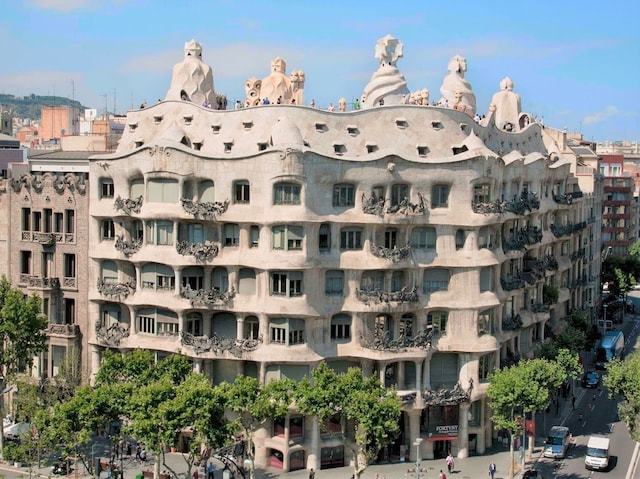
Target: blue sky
x=577, y=63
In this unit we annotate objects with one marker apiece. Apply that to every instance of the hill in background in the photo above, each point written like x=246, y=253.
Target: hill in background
x=29, y=106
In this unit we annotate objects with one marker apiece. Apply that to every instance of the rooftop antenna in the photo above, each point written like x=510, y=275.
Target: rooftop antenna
x=114, y=101
x=73, y=90
x=105, y=105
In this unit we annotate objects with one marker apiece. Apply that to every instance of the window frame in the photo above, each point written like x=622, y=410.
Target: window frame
x=287, y=193
x=342, y=197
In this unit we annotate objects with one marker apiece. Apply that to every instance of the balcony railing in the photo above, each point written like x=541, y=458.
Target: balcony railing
x=539, y=308
x=207, y=297
x=201, y=251
x=519, y=205
x=67, y=330
x=46, y=239
x=128, y=205
x=372, y=205
x=112, y=335
x=511, y=283
x=405, y=295
x=550, y=262
x=115, y=290
x=567, y=198
x=204, y=209
x=69, y=282
x=564, y=230
x=511, y=322
x=521, y=238
x=395, y=255
x=382, y=341
x=447, y=397
x=128, y=247
x=41, y=282
x=578, y=254
x=489, y=208
x=219, y=344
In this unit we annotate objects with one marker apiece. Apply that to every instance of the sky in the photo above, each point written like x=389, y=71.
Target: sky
x=576, y=63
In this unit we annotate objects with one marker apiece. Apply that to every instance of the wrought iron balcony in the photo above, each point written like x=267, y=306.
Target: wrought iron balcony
x=521, y=238
x=201, y=251
x=578, y=254
x=539, y=308
x=405, y=207
x=117, y=290
x=550, y=262
x=219, y=344
x=127, y=205
x=405, y=295
x=42, y=282
x=128, y=247
x=207, y=297
x=519, y=205
x=67, y=330
x=567, y=198
x=489, y=208
x=395, y=255
x=382, y=341
x=448, y=397
x=372, y=205
x=510, y=283
x=112, y=335
x=204, y=209
x=46, y=239
x=564, y=230
x=511, y=323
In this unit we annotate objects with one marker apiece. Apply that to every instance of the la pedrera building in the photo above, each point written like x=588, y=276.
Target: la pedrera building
x=403, y=238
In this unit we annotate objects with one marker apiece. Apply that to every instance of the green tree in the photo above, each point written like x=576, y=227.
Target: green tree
x=514, y=392
x=623, y=378
x=569, y=363
x=22, y=335
x=634, y=250
x=252, y=405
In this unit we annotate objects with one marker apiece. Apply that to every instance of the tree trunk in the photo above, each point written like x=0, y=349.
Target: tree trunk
x=2, y=414
x=156, y=466
x=511, y=456
x=249, y=449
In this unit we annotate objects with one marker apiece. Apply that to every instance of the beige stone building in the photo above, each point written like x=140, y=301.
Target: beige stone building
x=410, y=241
x=47, y=203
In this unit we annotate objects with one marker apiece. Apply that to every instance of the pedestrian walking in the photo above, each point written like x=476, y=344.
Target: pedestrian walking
x=312, y=474
x=194, y=474
x=573, y=402
x=442, y=475
x=211, y=469
x=492, y=469
x=557, y=407
x=450, y=463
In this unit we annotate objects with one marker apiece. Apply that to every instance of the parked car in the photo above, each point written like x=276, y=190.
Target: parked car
x=531, y=474
x=590, y=379
x=557, y=443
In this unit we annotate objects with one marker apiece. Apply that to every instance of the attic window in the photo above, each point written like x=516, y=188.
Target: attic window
x=339, y=148
x=185, y=141
x=436, y=125
x=197, y=145
x=157, y=119
x=372, y=147
x=423, y=150
x=215, y=128
x=402, y=123
x=227, y=146
x=459, y=149
x=247, y=125
x=133, y=126
x=262, y=146
x=352, y=130
x=187, y=119
x=321, y=127
x=305, y=142
x=138, y=143
x=464, y=127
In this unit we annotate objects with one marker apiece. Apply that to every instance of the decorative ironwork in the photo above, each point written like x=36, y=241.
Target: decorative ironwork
x=112, y=335
x=447, y=397
x=45, y=239
x=45, y=283
x=490, y=208
x=395, y=254
x=407, y=397
x=511, y=323
x=564, y=230
x=510, y=283
x=219, y=344
x=539, y=308
x=563, y=198
x=127, y=205
x=382, y=341
x=521, y=238
x=204, y=209
x=207, y=297
x=68, y=282
x=119, y=290
x=405, y=295
x=549, y=262
x=128, y=247
x=201, y=251
x=373, y=205
x=405, y=207
x=63, y=329
x=578, y=254
x=519, y=205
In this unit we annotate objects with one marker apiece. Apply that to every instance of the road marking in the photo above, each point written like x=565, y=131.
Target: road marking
x=584, y=423
x=633, y=465
x=600, y=395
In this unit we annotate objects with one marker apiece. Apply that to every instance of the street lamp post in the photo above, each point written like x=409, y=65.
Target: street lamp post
x=417, y=443
x=604, y=323
x=93, y=461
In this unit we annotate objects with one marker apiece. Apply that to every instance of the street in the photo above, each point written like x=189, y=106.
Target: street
x=599, y=416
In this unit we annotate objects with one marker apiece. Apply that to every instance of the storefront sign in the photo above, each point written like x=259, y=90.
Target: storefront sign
x=451, y=430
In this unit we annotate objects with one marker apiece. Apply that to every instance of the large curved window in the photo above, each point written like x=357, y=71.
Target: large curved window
x=158, y=276
x=220, y=279
x=423, y=238
x=206, y=191
x=109, y=272
x=372, y=281
x=287, y=237
x=435, y=279
x=286, y=194
x=162, y=190
x=194, y=324
x=136, y=188
x=247, y=281
x=158, y=321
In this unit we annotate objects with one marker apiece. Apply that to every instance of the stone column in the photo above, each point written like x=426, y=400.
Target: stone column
x=178, y=285
x=285, y=452
x=95, y=362
x=181, y=323
x=367, y=367
x=138, y=277
x=197, y=365
x=419, y=399
x=414, y=432
x=382, y=365
x=239, y=327
x=262, y=372
x=480, y=437
x=400, y=379
x=426, y=374
x=463, y=430
x=313, y=459
x=263, y=321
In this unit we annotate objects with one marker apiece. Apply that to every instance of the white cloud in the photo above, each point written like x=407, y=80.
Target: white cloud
x=608, y=112
x=66, y=6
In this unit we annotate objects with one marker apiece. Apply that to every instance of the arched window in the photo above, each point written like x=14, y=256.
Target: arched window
x=220, y=279
x=251, y=327
x=193, y=276
x=157, y=276
x=206, y=191
x=194, y=324
x=372, y=281
x=136, y=188
x=423, y=238
x=407, y=325
x=247, y=281
x=109, y=272
x=162, y=190
x=286, y=193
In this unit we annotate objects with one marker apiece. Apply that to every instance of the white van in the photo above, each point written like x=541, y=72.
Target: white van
x=597, y=453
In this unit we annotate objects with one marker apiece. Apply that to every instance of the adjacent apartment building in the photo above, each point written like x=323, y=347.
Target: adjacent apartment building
x=405, y=239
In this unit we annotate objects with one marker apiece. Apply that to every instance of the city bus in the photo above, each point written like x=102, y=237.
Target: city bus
x=610, y=347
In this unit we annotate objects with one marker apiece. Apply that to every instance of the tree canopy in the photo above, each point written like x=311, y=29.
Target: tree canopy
x=623, y=378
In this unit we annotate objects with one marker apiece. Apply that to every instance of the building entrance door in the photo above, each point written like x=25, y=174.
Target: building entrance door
x=441, y=449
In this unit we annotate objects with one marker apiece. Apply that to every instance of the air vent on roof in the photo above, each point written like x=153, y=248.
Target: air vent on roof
x=423, y=150
x=402, y=123
x=216, y=128
x=436, y=125
x=157, y=119
x=321, y=127
x=247, y=125
x=352, y=130
x=187, y=119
